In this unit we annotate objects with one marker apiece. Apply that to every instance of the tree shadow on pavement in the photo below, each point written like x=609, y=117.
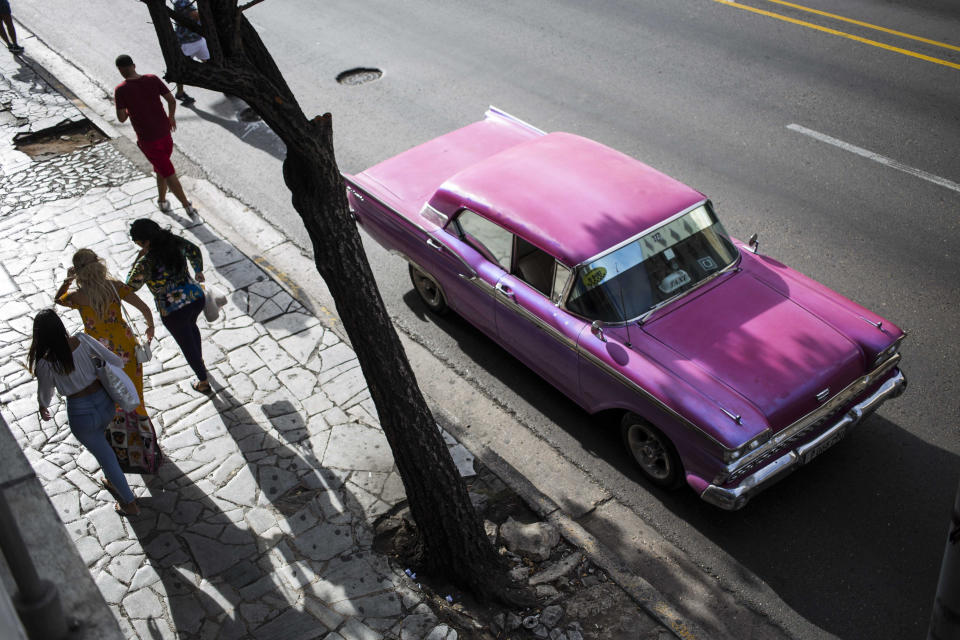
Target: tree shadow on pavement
x=207, y=559
x=319, y=544
x=239, y=570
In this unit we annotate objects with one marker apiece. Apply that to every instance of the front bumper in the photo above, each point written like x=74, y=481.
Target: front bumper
x=735, y=497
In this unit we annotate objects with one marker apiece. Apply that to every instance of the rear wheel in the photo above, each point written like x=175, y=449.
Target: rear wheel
x=652, y=451
x=428, y=291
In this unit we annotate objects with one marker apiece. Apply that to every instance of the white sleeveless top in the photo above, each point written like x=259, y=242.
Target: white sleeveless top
x=83, y=372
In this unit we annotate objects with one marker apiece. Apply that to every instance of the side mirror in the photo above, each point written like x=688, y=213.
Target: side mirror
x=597, y=329
x=753, y=243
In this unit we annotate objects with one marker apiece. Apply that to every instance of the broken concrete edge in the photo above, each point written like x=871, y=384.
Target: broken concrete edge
x=645, y=595
x=52, y=551
x=84, y=92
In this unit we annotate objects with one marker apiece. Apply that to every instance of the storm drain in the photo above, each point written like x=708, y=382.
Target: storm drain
x=360, y=75
x=60, y=139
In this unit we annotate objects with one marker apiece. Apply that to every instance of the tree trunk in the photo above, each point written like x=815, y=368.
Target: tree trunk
x=454, y=544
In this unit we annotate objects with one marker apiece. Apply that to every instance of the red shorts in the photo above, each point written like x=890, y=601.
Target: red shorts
x=158, y=152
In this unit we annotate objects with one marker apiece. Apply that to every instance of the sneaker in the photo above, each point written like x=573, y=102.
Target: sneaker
x=15, y=48
x=164, y=206
x=185, y=99
x=191, y=211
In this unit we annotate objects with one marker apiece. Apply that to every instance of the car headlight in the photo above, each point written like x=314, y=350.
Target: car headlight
x=887, y=353
x=732, y=455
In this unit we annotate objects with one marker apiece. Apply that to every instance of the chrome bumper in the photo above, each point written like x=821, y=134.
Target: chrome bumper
x=733, y=498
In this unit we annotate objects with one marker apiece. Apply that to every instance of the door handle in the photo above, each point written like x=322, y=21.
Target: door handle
x=433, y=244
x=506, y=292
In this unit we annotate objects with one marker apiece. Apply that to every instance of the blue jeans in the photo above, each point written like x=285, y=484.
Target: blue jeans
x=88, y=417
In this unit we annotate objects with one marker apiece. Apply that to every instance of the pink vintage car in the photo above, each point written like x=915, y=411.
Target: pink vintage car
x=617, y=283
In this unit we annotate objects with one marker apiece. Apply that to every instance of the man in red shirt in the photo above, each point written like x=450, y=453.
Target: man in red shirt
x=138, y=98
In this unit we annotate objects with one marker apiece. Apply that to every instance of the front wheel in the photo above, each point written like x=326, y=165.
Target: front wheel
x=652, y=451
x=428, y=290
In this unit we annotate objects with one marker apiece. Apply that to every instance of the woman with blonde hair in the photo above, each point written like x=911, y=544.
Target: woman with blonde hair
x=98, y=298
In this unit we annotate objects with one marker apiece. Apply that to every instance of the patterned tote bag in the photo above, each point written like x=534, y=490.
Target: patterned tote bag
x=134, y=440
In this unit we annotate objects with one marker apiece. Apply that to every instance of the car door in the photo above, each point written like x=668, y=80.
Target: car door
x=529, y=322
x=461, y=257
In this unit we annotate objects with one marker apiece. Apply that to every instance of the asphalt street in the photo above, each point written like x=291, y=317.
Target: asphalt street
x=834, y=140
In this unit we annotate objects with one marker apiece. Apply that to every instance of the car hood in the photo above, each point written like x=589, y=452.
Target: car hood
x=757, y=342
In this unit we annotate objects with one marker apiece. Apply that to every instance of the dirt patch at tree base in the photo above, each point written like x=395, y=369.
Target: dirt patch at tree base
x=575, y=599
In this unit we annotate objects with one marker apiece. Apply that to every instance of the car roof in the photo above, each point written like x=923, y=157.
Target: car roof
x=572, y=197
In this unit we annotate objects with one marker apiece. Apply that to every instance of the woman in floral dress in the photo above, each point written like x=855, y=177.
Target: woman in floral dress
x=162, y=266
x=97, y=298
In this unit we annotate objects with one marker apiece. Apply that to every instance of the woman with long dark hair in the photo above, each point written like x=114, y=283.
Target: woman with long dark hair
x=66, y=363
x=162, y=266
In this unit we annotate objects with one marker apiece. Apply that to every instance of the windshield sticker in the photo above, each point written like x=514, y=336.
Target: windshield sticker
x=707, y=263
x=594, y=277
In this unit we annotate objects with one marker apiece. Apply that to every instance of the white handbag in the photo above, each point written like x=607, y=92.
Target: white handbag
x=141, y=350
x=213, y=299
x=118, y=384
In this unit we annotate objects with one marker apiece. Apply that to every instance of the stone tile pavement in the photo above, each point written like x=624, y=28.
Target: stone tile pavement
x=259, y=523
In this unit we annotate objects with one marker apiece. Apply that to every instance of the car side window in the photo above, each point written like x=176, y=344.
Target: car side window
x=534, y=266
x=494, y=242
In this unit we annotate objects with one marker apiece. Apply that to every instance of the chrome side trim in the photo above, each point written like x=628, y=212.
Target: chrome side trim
x=733, y=498
x=537, y=322
x=494, y=111
x=360, y=191
x=434, y=216
x=633, y=386
x=797, y=429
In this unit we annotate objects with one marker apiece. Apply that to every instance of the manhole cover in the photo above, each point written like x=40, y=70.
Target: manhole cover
x=359, y=76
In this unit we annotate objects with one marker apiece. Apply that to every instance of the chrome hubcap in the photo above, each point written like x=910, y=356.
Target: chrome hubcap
x=648, y=451
x=428, y=290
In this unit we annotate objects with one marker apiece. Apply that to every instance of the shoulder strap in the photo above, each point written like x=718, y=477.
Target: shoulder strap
x=125, y=315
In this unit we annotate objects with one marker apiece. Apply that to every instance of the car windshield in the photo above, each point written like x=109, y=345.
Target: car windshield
x=661, y=264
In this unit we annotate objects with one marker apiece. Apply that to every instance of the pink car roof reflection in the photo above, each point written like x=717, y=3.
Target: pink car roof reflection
x=570, y=196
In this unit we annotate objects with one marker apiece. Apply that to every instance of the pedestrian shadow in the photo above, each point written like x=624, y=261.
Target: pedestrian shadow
x=233, y=115
x=208, y=561
x=320, y=542
x=288, y=472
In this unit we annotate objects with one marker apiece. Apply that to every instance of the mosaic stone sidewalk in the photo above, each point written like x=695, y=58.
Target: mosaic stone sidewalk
x=259, y=523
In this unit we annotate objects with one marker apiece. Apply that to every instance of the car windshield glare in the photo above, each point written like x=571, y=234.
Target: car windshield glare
x=661, y=264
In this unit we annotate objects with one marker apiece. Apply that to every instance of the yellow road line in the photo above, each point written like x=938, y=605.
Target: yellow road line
x=842, y=34
x=866, y=24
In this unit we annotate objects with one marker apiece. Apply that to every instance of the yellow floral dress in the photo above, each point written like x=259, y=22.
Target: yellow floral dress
x=113, y=333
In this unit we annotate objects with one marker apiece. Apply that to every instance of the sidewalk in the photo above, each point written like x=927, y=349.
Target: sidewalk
x=259, y=524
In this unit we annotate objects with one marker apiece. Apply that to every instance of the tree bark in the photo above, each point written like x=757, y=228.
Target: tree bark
x=454, y=544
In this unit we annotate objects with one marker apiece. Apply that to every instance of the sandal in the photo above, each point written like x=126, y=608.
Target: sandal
x=202, y=386
x=130, y=509
x=106, y=484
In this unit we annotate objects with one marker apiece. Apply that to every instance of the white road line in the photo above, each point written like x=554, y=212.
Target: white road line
x=876, y=157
